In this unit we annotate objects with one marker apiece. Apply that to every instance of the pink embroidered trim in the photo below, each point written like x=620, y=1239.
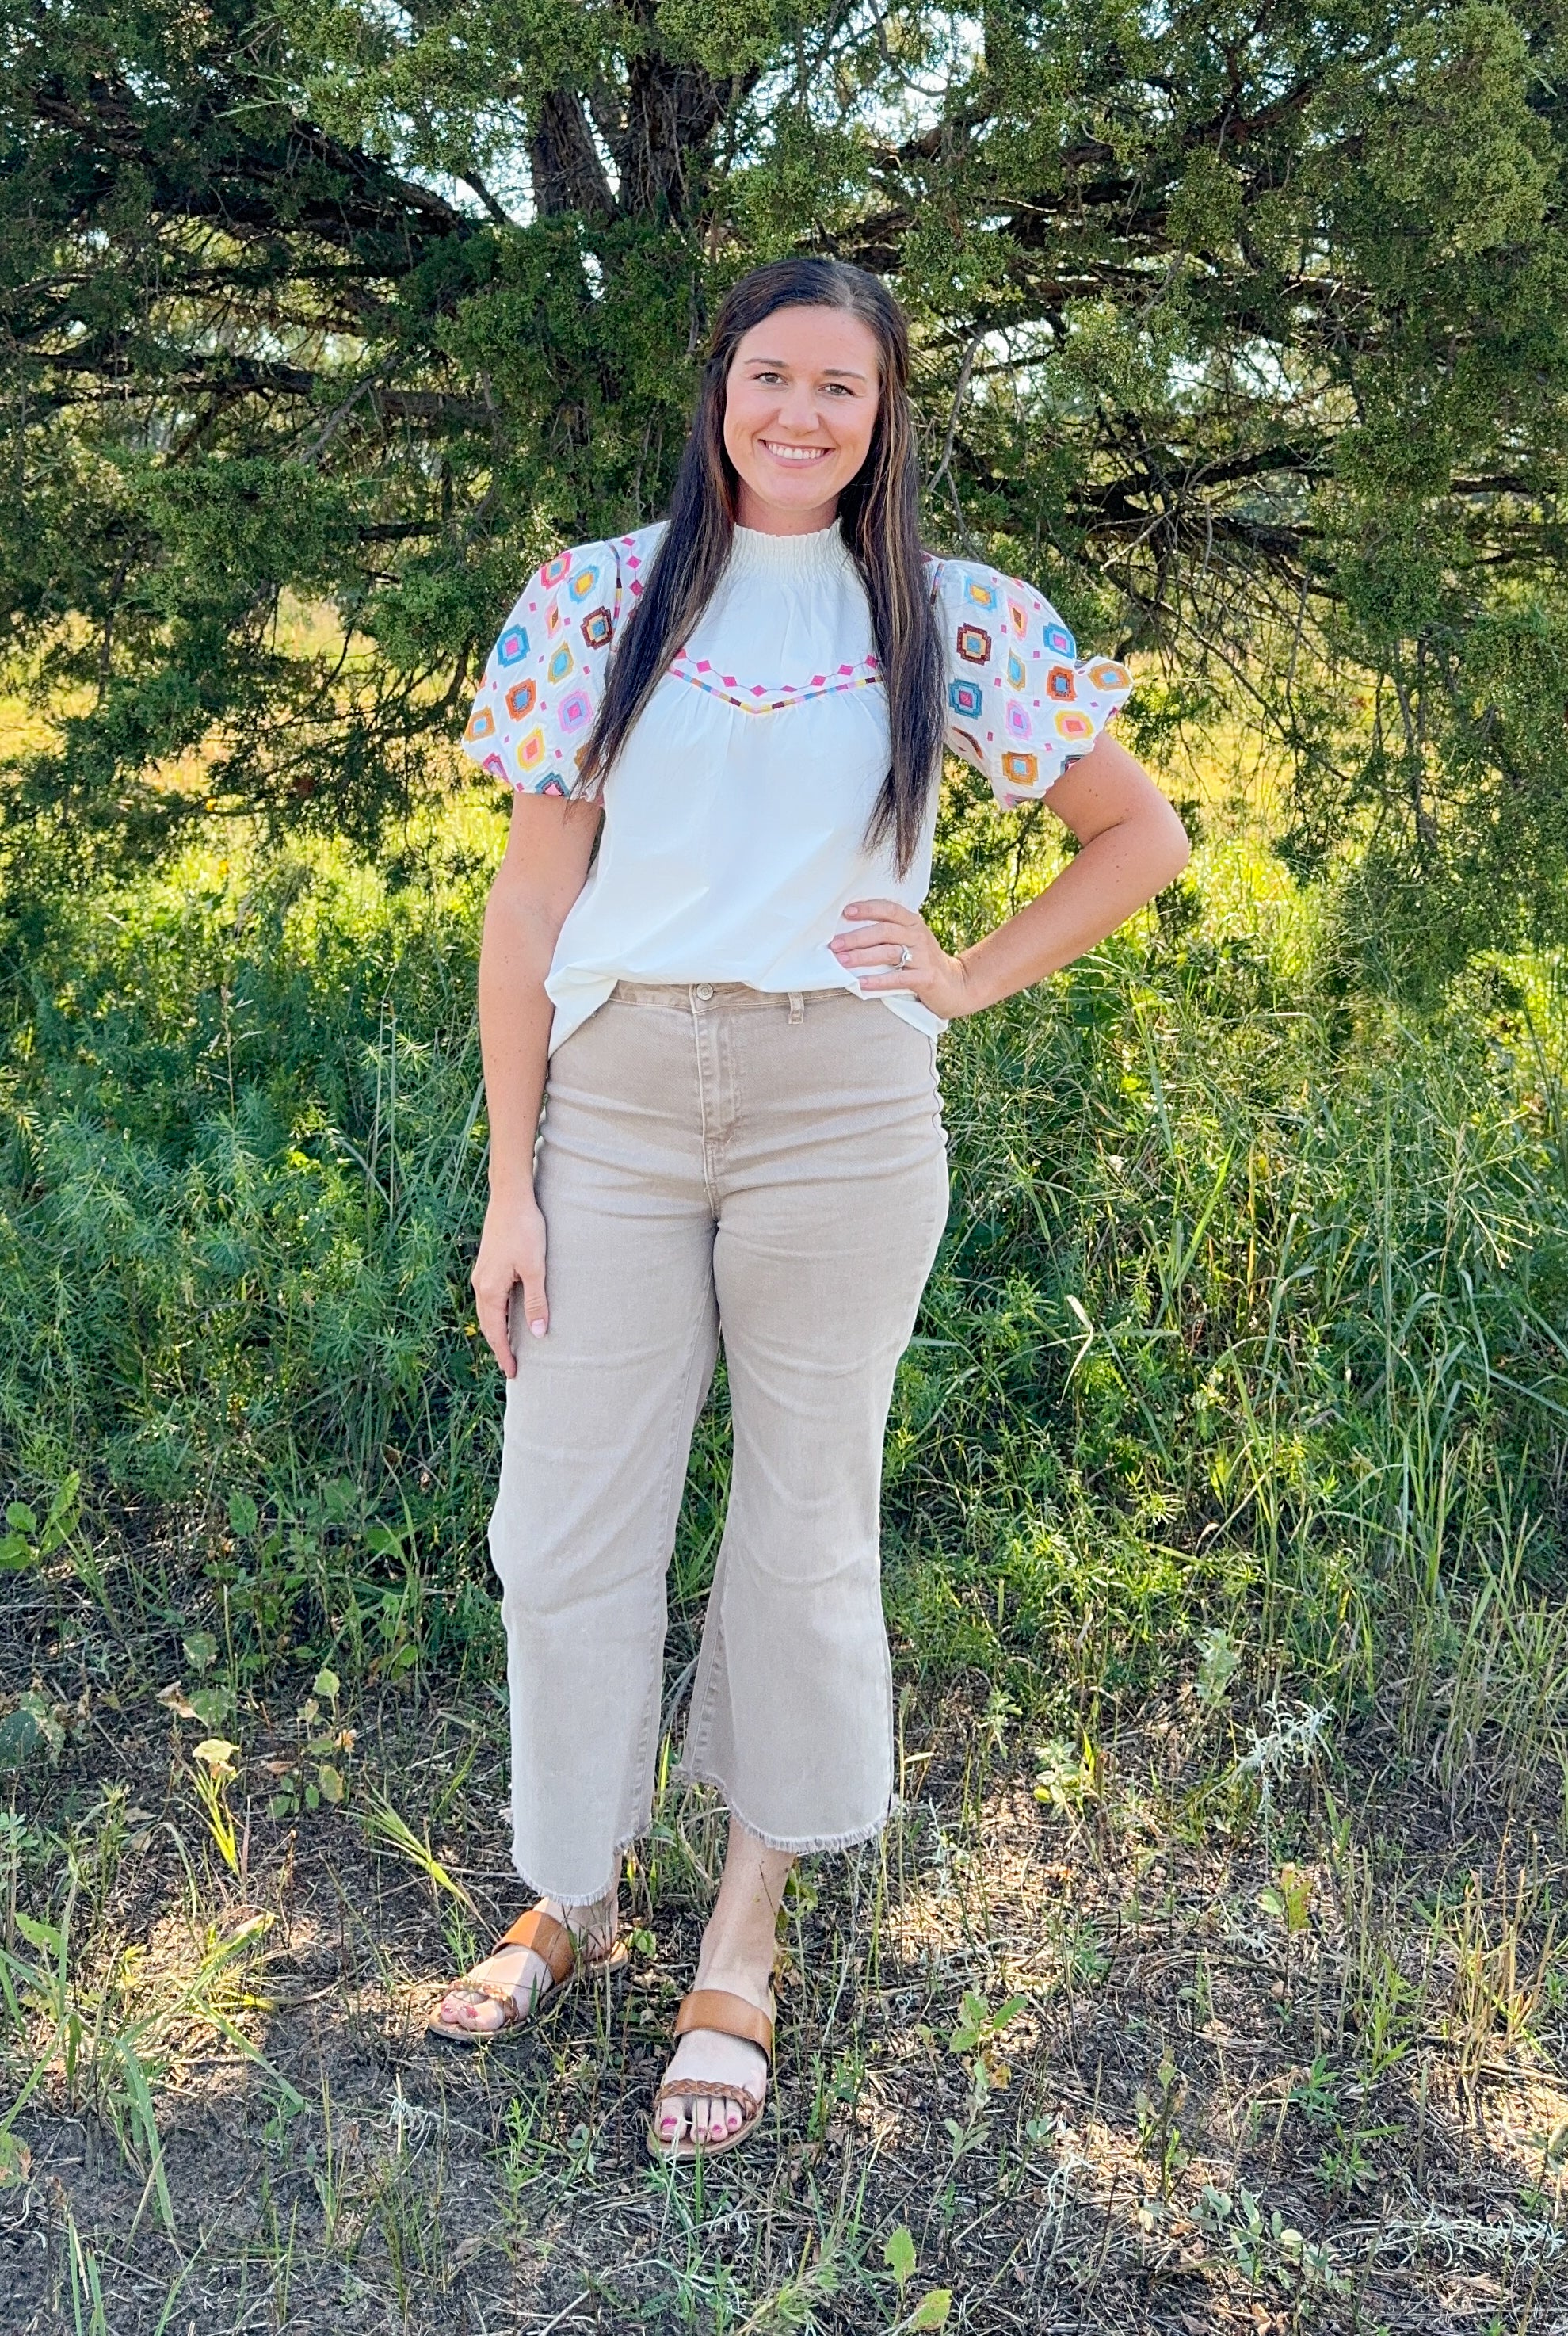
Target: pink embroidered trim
x=773, y=698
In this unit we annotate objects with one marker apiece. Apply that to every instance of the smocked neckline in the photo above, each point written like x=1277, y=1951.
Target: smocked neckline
x=824, y=553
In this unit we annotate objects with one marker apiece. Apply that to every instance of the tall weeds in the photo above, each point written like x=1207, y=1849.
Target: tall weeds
x=1251, y=1310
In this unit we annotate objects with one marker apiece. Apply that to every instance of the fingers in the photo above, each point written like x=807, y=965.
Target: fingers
x=891, y=913
x=492, y=1303
x=880, y=940
x=876, y=945
x=885, y=954
x=511, y=1251
x=535, y=1305
x=492, y=1306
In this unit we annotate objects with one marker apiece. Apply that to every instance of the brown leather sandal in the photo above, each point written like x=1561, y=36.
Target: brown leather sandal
x=561, y=1956
x=721, y=2013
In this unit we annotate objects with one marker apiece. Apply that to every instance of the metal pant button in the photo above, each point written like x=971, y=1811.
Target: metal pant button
x=704, y=990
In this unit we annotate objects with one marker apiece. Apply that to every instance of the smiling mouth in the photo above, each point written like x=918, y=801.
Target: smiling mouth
x=784, y=454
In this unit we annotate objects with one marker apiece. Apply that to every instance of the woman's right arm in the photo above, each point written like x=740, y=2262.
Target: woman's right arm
x=545, y=868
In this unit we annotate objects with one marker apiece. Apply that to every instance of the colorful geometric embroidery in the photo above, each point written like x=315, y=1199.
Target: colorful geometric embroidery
x=1026, y=691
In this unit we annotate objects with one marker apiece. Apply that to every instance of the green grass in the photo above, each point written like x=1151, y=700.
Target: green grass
x=1225, y=1563
x=1249, y=1311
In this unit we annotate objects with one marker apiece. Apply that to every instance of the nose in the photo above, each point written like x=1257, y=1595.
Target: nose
x=797, y=411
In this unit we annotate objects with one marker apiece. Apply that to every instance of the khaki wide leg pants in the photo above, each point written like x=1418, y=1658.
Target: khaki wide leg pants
x=715, y=1160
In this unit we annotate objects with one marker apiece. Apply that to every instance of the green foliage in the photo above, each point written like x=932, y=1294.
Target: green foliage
x=24, y=1542
x=1243, y=1334
x=1242, y=332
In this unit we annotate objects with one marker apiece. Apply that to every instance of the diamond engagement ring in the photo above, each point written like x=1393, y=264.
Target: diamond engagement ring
x=906, y=956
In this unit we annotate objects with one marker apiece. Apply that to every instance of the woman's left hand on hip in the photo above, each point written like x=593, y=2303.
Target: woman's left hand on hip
x=891, y=946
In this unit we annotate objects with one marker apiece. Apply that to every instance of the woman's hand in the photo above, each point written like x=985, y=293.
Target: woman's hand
x=885, y=934
x=510, y=1249
x=1131, y=845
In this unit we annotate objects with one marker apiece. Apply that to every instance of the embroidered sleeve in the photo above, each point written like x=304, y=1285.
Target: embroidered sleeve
x=1020, y=705
x=541, y=684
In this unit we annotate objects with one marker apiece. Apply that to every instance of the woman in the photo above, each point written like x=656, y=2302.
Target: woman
x=738, y=1008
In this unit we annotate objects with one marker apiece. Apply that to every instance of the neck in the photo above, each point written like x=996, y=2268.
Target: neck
x=776, y=518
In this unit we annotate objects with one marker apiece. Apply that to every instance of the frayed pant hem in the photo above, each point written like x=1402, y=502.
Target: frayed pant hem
x=813, y=1846
x=804, y=1845
x=528, y=1875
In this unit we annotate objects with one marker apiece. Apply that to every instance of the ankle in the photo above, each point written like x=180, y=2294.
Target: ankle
x=591, y=1925
x=736, y=1955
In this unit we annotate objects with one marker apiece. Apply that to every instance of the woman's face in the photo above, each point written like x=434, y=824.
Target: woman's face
x=800, y=407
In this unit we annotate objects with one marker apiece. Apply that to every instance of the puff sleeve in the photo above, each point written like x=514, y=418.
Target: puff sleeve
x=1020, y=707
x=540, y=691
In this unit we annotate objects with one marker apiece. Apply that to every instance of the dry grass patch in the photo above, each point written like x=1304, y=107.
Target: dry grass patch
x=1142, y=2053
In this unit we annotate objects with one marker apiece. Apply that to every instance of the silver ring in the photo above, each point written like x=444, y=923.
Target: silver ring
x=906, y=956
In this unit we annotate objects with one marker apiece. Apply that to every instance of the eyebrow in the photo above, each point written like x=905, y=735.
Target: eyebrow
x=839, y=373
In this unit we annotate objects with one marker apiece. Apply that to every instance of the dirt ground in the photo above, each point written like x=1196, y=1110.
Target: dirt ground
x=1186, y=2037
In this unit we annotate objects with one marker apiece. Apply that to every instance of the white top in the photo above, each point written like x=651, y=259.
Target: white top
x=734, y=819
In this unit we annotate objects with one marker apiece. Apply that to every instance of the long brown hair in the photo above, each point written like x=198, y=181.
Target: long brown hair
x=879, y=513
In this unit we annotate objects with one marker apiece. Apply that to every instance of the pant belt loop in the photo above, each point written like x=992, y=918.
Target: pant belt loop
x=797, y=1008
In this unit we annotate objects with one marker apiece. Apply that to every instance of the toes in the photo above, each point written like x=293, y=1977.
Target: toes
x=476, y=2013
x=700, y=2119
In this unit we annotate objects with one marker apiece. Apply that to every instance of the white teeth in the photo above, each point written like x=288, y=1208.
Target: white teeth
x=796, y=453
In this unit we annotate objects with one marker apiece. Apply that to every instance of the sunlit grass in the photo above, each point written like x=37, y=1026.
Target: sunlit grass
x=1223, y=1564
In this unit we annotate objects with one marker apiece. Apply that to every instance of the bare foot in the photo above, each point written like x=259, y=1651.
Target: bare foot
x=524, y=1975
x=708, y=2058
x=737, y=1955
